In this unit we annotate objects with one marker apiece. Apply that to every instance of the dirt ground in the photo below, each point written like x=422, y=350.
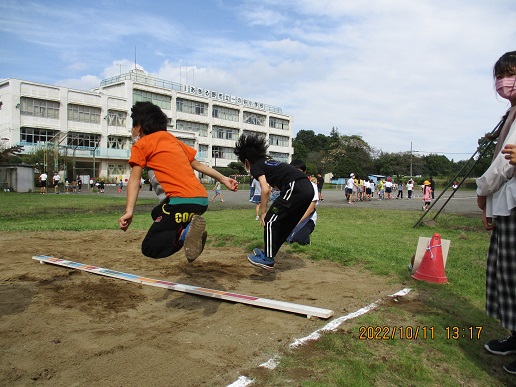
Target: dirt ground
x=66, y=327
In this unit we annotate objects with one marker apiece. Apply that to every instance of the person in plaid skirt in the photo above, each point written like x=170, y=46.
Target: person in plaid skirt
x=496, y=197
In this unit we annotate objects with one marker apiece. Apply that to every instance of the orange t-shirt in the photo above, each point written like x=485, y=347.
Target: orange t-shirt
x=170, y=161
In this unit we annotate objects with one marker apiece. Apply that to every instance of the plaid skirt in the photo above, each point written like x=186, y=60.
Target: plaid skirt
x=501, y=272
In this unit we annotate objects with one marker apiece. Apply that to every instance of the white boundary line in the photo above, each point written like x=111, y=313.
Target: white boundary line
x=273, y=362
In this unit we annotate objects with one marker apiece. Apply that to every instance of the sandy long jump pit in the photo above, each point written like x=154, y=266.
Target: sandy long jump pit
x=62, y=326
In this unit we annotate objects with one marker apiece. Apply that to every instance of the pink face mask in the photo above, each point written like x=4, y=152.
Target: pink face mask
x=506, y=88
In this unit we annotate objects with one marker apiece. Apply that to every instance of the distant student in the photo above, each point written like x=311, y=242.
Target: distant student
x=43, y=183
x=56, y=179
x=218, y=193
x=320, y=185
x=257, y=196
x=400, y=190
x=171, y=165
x=296, y=194
x=427, y=195
x=410, y=188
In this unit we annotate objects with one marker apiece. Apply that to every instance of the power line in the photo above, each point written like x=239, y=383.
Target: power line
x=443, y=153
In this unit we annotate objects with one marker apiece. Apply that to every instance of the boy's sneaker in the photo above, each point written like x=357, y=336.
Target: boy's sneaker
x=260, y=261
x=502, y=347
x=258, y=253
x=194, y=238
x=510, y=368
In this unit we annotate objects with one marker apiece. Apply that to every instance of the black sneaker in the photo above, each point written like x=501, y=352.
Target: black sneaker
x=502, y=347
x=510, y=368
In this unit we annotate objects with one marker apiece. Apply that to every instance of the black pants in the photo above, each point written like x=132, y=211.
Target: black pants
x=285, y=213
x=162, y=239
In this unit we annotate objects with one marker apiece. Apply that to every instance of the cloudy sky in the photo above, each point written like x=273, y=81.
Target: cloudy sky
x=395, y=72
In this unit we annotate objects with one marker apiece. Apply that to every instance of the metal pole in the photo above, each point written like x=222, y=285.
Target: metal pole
x=481, y=150
x=411, y=159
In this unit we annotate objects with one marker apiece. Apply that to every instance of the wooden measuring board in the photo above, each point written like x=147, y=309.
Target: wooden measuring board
x=309, y=311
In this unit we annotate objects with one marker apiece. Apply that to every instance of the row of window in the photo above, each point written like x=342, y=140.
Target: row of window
x=78, y=113
x=88, y=140
x=89, y=114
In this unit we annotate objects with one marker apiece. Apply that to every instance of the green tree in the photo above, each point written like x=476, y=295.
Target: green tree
x=437, y=165
x=10, y=154
x=349, y=154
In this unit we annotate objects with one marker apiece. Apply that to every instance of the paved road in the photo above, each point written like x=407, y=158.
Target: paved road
x=463, y=202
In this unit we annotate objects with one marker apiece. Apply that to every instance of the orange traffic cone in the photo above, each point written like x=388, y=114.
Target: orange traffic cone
x=431, y=268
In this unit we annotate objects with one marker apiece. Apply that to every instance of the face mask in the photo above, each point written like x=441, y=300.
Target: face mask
x=133, y=137
x=506, y=88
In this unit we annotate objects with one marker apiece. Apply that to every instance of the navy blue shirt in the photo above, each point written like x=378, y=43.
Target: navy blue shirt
x=278, y=175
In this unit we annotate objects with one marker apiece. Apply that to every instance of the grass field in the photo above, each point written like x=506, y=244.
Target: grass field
x=381, y=241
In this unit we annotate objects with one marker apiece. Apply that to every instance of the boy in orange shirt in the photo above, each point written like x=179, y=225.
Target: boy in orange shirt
x=171, y=164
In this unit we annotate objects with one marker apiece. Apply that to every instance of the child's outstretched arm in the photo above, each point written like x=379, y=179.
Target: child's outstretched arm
x=510, y=153
x=133, y=188
x=230, y=183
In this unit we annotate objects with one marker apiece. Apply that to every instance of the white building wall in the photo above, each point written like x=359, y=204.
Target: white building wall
x=116, y=94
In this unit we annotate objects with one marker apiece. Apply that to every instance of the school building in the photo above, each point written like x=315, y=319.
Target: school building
x=92, y=128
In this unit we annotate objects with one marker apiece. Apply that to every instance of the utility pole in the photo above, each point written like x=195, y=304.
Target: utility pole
x=411, y=159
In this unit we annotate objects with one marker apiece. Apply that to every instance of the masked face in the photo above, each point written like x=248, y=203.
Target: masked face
x=135, y=133
x=506, y=88
x=247, y=166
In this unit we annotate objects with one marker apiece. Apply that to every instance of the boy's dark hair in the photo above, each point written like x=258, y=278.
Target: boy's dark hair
x=505, y=66
x=299, y=164
x=251, y=147
x=149, y=116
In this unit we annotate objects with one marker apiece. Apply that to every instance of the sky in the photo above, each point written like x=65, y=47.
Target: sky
x=402, y=74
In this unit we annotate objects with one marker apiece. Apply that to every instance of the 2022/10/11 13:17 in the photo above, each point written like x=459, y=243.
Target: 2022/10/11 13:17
x=418, y=332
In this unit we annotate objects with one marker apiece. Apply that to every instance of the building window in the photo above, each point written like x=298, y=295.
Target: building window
x=254, y=119
x=83, y=140
x=224, y=133
x=225, y=113
x=203, y=151
x=80, y=113
x=252, y=133
x=118, y=142
x=278, y=123
x=39, y=108
x=196, y=127
x=163, y=101
x=188, y=141
x=221, y=152
x=116, y=118
x=282, y=157
x=116, y=169
x=192, y=107
x=35, y=135
x=279, y=140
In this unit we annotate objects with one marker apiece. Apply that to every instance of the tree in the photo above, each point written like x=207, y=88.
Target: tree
x=9, y=155
x=436, y=165
x=349, y=154
x=237, y=167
